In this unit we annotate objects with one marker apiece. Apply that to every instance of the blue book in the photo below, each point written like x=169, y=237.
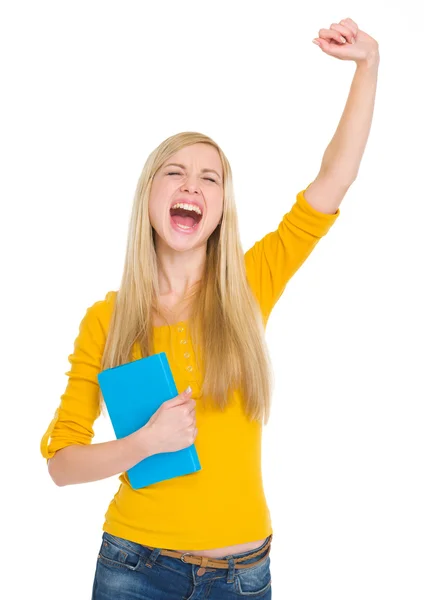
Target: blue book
x=133, y=392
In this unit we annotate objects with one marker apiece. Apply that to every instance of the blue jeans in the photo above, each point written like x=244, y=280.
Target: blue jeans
x=129, y=571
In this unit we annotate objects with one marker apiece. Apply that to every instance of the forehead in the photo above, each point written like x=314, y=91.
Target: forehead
x=202, y=156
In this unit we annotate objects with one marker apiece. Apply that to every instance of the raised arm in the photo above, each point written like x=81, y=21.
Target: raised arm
x=272, y=261
x=342, y=158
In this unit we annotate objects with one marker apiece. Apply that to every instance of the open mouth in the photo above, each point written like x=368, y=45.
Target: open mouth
x=184, y=219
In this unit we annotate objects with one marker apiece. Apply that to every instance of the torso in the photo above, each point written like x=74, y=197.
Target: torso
x=218, y=552
x=173, y=315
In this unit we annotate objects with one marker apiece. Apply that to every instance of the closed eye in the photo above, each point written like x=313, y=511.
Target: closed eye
x=209, y=178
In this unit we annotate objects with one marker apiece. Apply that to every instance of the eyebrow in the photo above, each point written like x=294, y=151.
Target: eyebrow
x=184, y=168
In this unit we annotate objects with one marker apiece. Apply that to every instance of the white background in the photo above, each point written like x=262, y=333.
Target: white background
x=88, y=90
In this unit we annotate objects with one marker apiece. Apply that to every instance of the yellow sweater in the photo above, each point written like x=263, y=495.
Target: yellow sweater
x=224, y=503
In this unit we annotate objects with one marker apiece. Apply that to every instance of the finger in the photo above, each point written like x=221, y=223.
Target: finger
x=331, y=34
x=350, y=23
x=332, y=48
x=344, y=31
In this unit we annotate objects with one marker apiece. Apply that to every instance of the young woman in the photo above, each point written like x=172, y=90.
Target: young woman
x=190, y=291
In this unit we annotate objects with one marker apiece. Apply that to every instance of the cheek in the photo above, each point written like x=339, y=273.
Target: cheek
x=218, y=205
x=155, y=209
x=158, y=200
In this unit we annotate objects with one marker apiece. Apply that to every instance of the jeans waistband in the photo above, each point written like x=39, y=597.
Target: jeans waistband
x=220, y=563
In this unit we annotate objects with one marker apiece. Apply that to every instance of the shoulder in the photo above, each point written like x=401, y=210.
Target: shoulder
x=99, y=314
x=104, y=306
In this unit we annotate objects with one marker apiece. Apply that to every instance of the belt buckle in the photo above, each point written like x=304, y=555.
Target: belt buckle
x=181, y=558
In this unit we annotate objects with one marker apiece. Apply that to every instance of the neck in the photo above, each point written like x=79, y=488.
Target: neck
x=179, y=273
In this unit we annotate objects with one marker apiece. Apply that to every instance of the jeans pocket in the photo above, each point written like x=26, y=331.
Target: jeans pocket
x=117, y=554
x=254, y=581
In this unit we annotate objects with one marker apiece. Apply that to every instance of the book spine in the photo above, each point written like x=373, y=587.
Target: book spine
x=191, y=450
x=172, y=388
x=194, y=457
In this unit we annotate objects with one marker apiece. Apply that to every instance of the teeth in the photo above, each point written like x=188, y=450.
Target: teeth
x=183, y=226
x=187, y=207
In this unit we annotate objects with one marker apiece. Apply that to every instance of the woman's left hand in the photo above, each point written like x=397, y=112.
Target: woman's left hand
x=357, y=45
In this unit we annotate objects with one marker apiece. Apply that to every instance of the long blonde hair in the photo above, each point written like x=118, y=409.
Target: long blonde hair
x=226, y=323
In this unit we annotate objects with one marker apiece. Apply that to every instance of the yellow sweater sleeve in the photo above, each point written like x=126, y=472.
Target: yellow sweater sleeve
x=79, y=408
x=272, y=261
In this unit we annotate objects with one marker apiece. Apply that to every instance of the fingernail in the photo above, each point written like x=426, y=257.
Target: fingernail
x=316, y=42
x=343, y=40
x=188, y=389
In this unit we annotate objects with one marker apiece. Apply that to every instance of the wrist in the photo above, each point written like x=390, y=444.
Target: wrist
x=139, y=444
x=371, y=62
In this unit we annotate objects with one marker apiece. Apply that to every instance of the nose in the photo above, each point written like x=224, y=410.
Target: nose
x=190, y=184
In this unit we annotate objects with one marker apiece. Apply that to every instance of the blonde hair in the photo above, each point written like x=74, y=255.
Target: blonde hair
x=226, y=323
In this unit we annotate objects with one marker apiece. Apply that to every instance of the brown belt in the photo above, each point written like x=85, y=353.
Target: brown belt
x=205, y=562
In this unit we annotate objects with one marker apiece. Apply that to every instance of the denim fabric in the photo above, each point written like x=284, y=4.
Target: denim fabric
x=129, y=571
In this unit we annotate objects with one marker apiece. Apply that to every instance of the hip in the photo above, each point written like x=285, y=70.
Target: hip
x=127, y=568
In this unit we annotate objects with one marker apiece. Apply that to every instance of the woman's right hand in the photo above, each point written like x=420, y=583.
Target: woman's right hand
x=173, y=426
